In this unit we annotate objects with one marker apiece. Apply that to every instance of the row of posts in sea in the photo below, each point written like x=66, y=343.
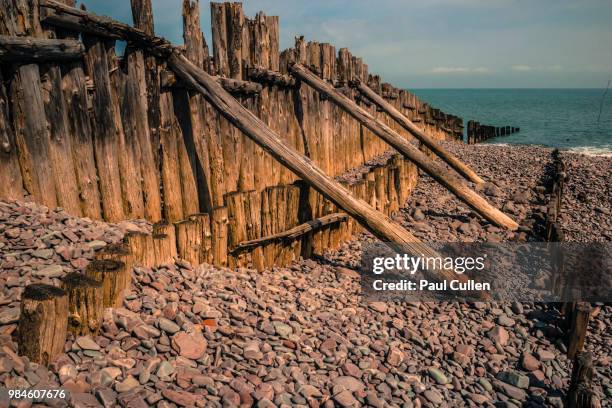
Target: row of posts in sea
x=477, y=133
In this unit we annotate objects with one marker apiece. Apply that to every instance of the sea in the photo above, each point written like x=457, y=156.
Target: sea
x=578, y=120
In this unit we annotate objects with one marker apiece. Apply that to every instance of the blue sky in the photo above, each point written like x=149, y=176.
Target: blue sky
x=438, y=43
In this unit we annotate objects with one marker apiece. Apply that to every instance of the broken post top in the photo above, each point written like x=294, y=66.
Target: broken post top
x=119, y=249
x=41, y=292
x=105, y=266
x=78, y=280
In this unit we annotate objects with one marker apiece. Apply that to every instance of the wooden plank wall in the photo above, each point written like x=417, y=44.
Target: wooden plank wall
x=102, y=138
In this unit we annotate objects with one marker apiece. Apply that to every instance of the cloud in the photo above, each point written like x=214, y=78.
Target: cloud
x=460, y=70
x=541, y=68
x=522, y=68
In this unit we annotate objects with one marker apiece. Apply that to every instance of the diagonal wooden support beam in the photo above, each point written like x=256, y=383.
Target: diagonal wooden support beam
x=381, y=226
x=417, y=132
x=377, y=223
x=435, y=170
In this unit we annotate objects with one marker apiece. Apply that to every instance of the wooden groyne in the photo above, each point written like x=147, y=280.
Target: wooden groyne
x=154, y=134
x=576, y=314
x=477, y=133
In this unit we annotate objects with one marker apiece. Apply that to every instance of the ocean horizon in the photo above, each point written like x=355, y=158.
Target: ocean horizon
x=565, y=118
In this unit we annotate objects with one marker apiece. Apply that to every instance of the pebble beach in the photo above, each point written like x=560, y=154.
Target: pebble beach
x=303, y=336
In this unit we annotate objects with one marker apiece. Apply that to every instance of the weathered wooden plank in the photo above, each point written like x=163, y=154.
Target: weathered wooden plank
x=61, y=15
x=30, y=49
x=445, y=155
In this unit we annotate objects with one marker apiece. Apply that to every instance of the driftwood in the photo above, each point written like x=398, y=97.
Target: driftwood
x=29, y=49
x=435, y=147
x=294, y=232
x=439, y=173
x=42, y=323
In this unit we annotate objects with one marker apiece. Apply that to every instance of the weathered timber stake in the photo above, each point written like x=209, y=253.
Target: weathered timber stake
x=112, y=276
x=414, y=130
x=218, y=226
x=30, y=49
x=581, y=393
x=43, y=323
x=188, y=241
x=294, y=232
x=11, y=184
x=379, y=224
x=84, y=304
x=578, y=329
x=436, y=171
x=120, y=252
x=141, y=249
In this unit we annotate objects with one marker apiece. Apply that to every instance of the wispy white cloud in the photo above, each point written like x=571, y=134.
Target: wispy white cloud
x=460, y=70
x=541, y=68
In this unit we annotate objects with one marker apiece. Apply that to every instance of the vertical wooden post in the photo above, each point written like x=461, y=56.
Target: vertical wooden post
x=43, y=323
x=84, y=304
x=219, y=235
x=105, y=129
x=32, y=135
x=581, y=394
x=76, y=99
x=112, y=275
x=189, y=240
x=578, y=329
x=11, y=183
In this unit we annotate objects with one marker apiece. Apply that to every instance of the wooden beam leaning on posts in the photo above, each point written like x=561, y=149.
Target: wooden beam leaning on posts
x=377, y=223
x=414, y=130
x=30, y=49
x=436, y=171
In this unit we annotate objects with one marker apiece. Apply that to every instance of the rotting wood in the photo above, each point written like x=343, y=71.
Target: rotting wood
x=106, y=131
x=380, y=225
x=32, y=136
x=61, y=15
x=43, y=323
x=268, y=76
x=467, y=195
x=578, y=329
x=121, y=251
x=238, y=86
x=414, y=130
x=218, y=228
x=30, y=49
x=294, y=232
x=581, y=393
x=188, y=240
x=74, y=86
x=111, y=274
x=11, y=183
x=142, y=14
x=85, y=310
